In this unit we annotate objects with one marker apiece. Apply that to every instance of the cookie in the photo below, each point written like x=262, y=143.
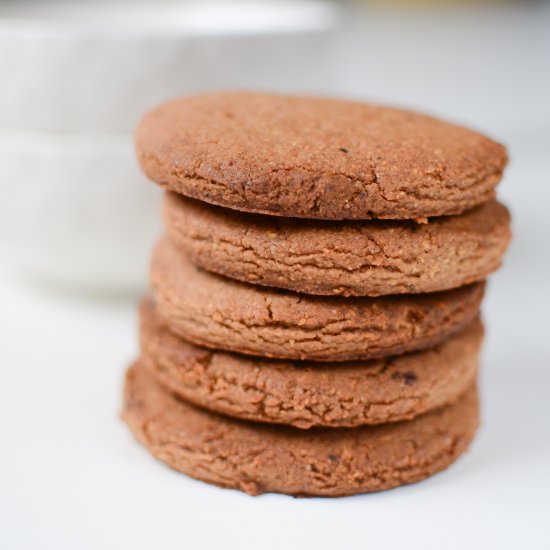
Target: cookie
x=316, y=158
x=305, y=394
x=341, y=258
x=221, y=313
x=260, y=458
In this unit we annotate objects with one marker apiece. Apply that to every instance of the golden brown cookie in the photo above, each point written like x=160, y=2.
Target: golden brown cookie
x=369, y=258
x=316, y=158
x=221, y=313
x=305, y=394
x=260, y=458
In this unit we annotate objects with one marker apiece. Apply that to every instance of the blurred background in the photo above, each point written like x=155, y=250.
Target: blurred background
x=77, y=76
x=77, y=222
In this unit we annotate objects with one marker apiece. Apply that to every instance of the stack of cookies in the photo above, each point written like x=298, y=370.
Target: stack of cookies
x=314, y=323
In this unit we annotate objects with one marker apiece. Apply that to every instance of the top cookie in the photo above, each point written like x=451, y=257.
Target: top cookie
x=316, y=158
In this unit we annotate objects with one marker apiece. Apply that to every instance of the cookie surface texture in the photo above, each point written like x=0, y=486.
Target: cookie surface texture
x=305, y=394
x=341, y=258
x=221, y=313
x=317, y=462
x=316, y=158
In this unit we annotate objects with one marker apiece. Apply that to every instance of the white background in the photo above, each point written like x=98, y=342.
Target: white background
x=72, y=477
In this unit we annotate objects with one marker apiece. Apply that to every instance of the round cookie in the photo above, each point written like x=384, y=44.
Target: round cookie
x=259, y=458
x=316, y=158
x=341, y=258
x=220, y=313
x=305, y=394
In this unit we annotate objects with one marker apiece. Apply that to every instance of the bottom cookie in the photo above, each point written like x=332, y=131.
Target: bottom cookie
x=258, y=458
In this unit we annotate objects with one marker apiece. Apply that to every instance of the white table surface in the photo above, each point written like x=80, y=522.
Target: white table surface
x=72, y=477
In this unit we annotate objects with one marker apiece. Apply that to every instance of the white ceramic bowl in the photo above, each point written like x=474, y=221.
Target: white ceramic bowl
x=75, y=79
x=76, y=211
x=73, y=66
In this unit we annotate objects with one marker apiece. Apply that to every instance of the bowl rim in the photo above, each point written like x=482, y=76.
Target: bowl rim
x=274, y=17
